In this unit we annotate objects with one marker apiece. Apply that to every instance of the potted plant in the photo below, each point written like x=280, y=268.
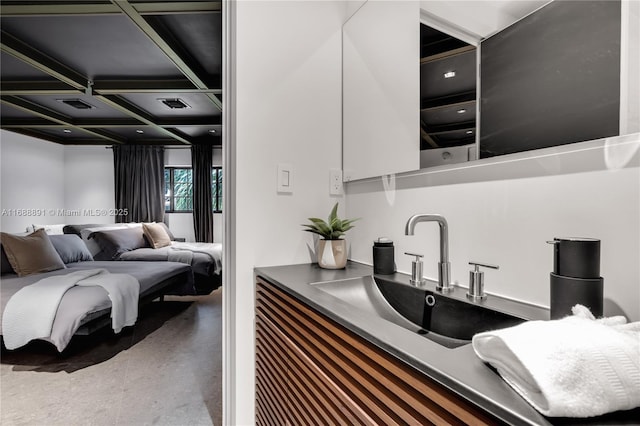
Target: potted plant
x=332, y=249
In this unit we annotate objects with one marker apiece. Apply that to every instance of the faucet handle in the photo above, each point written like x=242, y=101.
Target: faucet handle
x=484, y=265
x=416, y=269
x=476, y=280
x=418, y=256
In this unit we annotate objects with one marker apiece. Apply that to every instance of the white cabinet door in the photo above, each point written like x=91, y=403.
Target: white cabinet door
x=381, y=89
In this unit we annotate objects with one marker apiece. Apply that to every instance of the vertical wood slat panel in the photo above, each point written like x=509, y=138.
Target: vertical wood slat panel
x=329, y=363
x=398, y=402
x=270, y=400
x=310, y=380
x=334, y=399
x=271, y=380
x=379, y=405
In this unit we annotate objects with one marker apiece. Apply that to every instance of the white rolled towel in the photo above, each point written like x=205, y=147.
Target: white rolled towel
x=576, y=366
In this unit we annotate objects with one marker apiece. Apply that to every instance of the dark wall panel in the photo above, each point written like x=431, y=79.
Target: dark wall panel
x=552, y=78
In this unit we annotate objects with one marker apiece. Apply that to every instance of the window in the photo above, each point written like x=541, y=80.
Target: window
x=178, y=189
x=216, y=189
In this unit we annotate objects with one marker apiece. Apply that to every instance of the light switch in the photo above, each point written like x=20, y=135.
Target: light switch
x=285, y=178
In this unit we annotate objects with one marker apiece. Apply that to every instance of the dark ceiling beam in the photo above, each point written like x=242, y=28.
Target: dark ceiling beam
x=98, y=123
x=33, y=123
x=462, y=104
x=445, y=101
x=449, y=128
x=172, y=7
x=41, y=61
x=183, y=65
x=120, y=87
x=59, y=140
x=425, y=136
x=26, y=88
x=137, y=113
x=38, y=135
x=54, y=116
x=40, y=123
x=105, y=87
x=61, y=8
x=84, y=142
x=447, y=54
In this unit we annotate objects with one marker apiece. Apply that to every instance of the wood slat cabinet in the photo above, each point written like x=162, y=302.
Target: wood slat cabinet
x=310, y=370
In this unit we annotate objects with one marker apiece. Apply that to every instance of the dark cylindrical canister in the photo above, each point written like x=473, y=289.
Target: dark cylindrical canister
x=383, y=256
x=567, y=292
x=576, y=257
x=576, y=276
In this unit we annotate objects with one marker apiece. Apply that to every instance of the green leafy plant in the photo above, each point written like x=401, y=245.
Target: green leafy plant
x=333, y=228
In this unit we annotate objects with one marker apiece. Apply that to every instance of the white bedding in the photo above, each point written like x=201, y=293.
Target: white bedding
x=30, y=313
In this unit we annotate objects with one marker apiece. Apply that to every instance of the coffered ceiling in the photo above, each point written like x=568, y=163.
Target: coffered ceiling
x=89, y=72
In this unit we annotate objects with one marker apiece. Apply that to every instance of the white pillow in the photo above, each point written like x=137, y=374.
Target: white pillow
x=50, y=229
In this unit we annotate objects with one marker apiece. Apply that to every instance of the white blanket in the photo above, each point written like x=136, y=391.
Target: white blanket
x=573, y=367
x=31, y=312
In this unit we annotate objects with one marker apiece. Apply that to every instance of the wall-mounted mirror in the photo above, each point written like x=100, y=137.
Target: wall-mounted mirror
x=565, y=73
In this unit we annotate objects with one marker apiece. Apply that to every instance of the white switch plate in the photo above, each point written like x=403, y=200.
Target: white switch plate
x=335, y=182
x=285, y=178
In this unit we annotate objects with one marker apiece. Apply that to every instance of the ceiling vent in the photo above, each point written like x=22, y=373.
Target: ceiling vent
x=174, y=103
x=76, y=103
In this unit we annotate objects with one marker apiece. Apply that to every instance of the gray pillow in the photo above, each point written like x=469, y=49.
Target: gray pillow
x=114, y=242
x=166, y=228
x=77, y=229
x=71, y=248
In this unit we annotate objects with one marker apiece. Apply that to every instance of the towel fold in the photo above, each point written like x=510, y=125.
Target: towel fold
x=576, y=366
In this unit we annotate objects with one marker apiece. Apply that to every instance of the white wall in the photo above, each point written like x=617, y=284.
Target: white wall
x=88, y=184
x=502, y=211
x=288, y=106
x=72, y=184
x=31, y=177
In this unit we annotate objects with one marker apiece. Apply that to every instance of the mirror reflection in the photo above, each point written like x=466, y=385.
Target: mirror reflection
x=447, y=99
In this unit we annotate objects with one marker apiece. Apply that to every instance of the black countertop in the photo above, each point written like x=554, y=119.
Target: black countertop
x=458, y=369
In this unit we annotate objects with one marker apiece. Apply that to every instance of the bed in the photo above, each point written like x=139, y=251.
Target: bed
x=152, y=242
x=83, y=310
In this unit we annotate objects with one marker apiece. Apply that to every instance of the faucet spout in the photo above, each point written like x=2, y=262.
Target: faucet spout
x=444, y=267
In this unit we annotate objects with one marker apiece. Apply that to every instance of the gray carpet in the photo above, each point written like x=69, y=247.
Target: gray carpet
x=167, y=370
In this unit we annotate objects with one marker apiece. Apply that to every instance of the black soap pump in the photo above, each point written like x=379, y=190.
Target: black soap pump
x=383, y=256
x=576, y=276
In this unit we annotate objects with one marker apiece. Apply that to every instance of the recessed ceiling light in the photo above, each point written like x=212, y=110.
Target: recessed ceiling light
x=212, y=131
x=66, y=130
x=469, y=132
x=76, y=103
x=449, y=74
x=461, y=111
x=140, y=131
x=174, y=103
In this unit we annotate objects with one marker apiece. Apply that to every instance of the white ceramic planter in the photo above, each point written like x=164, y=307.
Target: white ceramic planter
x=332, y=254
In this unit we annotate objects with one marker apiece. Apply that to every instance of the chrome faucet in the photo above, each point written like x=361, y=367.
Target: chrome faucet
x=444, y=267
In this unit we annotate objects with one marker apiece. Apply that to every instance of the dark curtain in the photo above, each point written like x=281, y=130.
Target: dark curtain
x=139, y=182
x=201, y=163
